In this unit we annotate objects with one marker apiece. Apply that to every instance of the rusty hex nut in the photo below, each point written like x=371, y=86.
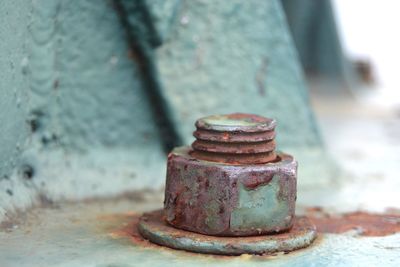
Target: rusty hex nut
x=231, y=182
x=229, y=200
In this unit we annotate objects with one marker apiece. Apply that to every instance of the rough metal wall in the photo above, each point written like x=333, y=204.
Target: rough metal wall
x=71, y=90
x=313, y=28
x=14, y=19
x=236, y=57
x=315, y=34
x=14, y=15
x=76, y=101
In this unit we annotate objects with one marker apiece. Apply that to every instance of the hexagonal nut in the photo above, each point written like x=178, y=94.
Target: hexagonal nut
x=230, y=200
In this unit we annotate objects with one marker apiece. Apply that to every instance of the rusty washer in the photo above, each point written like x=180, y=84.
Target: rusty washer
x=231, y=182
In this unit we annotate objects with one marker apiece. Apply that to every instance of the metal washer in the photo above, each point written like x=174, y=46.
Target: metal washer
x=153, y=227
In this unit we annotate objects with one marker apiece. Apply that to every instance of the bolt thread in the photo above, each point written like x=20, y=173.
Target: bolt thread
x=235, y=139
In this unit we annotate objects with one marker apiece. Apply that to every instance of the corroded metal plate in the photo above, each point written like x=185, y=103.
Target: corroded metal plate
x=153, y=227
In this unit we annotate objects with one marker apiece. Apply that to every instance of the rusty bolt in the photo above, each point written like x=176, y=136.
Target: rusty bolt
x=231, y=181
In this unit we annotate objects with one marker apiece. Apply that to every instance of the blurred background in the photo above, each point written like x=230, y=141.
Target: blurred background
x=94, y=94
x=370, y=39
x=353, y=87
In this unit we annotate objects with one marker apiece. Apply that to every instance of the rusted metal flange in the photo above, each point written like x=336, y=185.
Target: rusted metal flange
x=153, y=227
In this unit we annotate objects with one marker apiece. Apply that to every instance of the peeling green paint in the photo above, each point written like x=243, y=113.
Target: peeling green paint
x=259, y=206
x=212, y=220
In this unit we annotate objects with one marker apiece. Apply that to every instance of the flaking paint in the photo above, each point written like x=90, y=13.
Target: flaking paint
x=260, y=206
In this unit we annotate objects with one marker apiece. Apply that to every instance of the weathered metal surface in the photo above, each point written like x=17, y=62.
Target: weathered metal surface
x=236, y=122
x=152, y=226
x=364, y=223
x=229, y=200
x=104, y=232
x=223, y=188
x=233, y=137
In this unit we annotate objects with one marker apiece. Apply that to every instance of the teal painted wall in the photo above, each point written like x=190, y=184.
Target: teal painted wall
x=72, y=106
x=14, y=19
x=236, y=57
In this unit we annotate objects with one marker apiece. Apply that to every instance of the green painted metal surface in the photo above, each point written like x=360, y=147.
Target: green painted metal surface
x=314, y=31
x=14, y=96
x=313, y=27
x=221, y=58
x=13, y=83
x=75, y=109
x=260, y=206
x=89, y=234
x=72, y=106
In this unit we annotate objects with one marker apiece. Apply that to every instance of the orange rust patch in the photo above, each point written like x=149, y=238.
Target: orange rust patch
x=367, y=224
x=128, y=230
x=235, y=159
x=124, y=227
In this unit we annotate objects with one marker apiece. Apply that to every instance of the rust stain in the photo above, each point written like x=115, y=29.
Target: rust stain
x=127, y=229
x=255, y=180
x=366, y=224
x=239, y=137
x=236, y=159
x=237, y=148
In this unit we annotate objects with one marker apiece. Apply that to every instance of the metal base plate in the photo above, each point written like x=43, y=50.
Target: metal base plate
x=153, y=227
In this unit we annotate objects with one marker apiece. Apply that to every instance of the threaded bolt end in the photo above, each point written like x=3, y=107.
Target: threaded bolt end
x=235, y=139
